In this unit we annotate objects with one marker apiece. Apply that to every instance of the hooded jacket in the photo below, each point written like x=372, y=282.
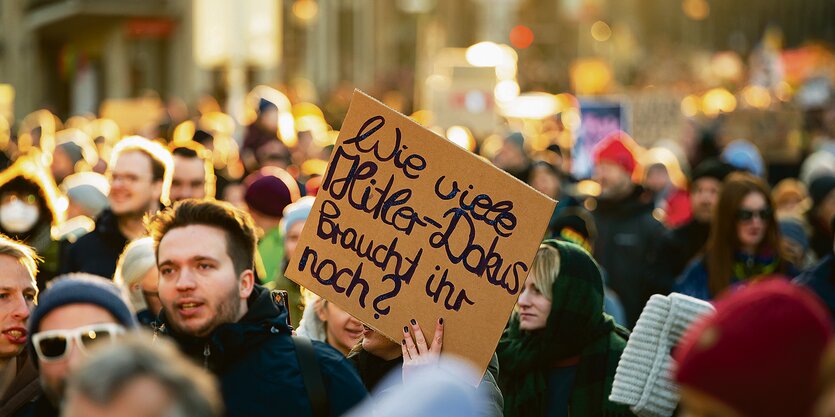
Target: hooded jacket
x=626, y=235
x=255, y=362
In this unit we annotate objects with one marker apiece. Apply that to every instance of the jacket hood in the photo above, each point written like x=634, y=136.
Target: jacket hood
x=31, y=168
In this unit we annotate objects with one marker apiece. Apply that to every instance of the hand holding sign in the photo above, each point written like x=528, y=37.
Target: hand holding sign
x=419, y=352
x=408, y=225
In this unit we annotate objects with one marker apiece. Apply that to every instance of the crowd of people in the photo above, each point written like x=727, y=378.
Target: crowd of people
x=145, y=276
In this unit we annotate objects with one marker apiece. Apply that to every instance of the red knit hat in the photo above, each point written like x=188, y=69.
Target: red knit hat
x=616, y=148
x=269, y=190
x=760, y=352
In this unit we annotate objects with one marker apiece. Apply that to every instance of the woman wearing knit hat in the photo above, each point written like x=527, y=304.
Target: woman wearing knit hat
x=757, y=356
x=559, y=354
x=744, y=241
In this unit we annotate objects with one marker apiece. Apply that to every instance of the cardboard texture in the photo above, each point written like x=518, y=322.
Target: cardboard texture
x=408, y=225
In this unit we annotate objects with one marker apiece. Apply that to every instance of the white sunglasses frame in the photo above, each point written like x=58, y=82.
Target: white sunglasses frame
x=73, y=335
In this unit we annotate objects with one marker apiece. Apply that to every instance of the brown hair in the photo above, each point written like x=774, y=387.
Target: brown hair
x=723, y=242
x=238, y=226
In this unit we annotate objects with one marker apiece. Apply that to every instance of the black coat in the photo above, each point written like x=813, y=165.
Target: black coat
x=627, y=235
x=98, y=251
x=678, y=248
x=255, y=362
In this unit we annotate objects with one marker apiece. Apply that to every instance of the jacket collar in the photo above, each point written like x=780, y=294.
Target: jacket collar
x=264, y=317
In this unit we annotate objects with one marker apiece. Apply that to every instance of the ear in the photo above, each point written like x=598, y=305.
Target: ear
x=156, y=190
x=246, y=283
x=321, y=309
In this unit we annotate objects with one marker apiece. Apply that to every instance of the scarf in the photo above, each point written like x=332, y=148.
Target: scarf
x=576, y=326
x=746, y=267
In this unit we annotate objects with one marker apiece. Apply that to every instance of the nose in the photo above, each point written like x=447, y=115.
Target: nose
x=185, y=280
x=75, y=356
x=524, y=299
x=20, y=311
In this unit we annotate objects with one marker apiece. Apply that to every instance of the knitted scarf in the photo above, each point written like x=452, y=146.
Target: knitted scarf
x=576, y=326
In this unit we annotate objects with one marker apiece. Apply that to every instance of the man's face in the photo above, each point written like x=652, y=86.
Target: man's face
x=68, y=317
x=198, y=286
x=614, y=181
x=17, y=299
x=704, y=194
x=140, y=397
x=133, y=190
x=189, y=178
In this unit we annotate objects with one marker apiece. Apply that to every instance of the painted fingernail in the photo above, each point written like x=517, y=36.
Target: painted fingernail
x=413, y=322
x=441, y=320
x=405, y=329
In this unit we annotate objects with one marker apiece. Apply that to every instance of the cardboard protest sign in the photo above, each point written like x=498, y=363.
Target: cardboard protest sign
x=408, y=225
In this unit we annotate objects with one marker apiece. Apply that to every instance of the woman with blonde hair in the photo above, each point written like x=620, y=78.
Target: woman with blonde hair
x=137, y=275
x=559, y=354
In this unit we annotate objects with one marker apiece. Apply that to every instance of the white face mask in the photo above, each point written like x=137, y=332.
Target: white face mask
x=17, y=216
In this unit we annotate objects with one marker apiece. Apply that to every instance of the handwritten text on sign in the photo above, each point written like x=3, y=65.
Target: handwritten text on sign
x=407, y=225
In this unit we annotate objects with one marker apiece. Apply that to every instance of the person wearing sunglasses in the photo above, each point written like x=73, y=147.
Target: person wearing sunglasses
x=77, y=312
x=18, y=291
x=744, y=241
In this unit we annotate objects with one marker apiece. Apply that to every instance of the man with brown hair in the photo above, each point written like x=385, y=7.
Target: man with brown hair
x=218, y=316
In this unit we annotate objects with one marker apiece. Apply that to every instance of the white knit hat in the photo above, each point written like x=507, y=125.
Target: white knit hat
x=644, y=375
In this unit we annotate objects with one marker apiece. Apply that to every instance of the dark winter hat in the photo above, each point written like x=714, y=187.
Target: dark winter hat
x=739, y=354
x=575, y=225
x=270, y=190
x=820, y=188
x=712, y=168
x=82, y=288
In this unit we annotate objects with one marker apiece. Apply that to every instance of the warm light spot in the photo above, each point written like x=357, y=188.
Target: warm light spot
x=696, y=9
x=305, y=10
x=601, y=31
x=690, y=106
x=521, y=37
x=757, y=96
x=506, y=90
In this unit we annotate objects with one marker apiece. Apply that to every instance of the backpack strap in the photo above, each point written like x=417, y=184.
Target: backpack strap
x=312, y=376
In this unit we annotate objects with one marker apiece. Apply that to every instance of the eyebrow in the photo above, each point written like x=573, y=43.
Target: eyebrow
x=193, y=258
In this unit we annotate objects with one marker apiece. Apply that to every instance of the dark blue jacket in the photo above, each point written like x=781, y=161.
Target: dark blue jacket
x=820, y=280
x=255, y=362
x=98, y=251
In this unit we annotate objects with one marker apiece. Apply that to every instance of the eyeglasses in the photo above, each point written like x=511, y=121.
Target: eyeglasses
x=748, y=215
x=54, y=345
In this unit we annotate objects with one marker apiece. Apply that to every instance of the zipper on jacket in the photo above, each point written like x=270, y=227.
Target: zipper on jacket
x=207, y=351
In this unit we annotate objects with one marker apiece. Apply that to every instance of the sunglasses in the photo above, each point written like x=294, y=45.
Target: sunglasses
x=747, y=215
x=54, y=345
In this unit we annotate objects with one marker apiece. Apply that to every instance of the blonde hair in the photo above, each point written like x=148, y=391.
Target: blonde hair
x=22, y=252
x=545, y=269
x=135, y=261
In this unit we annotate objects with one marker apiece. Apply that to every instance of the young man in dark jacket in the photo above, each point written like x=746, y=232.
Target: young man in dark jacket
x=18, y=376
x=219, y=317
x=140, y=179
x=626, y=228
x=684, y=243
